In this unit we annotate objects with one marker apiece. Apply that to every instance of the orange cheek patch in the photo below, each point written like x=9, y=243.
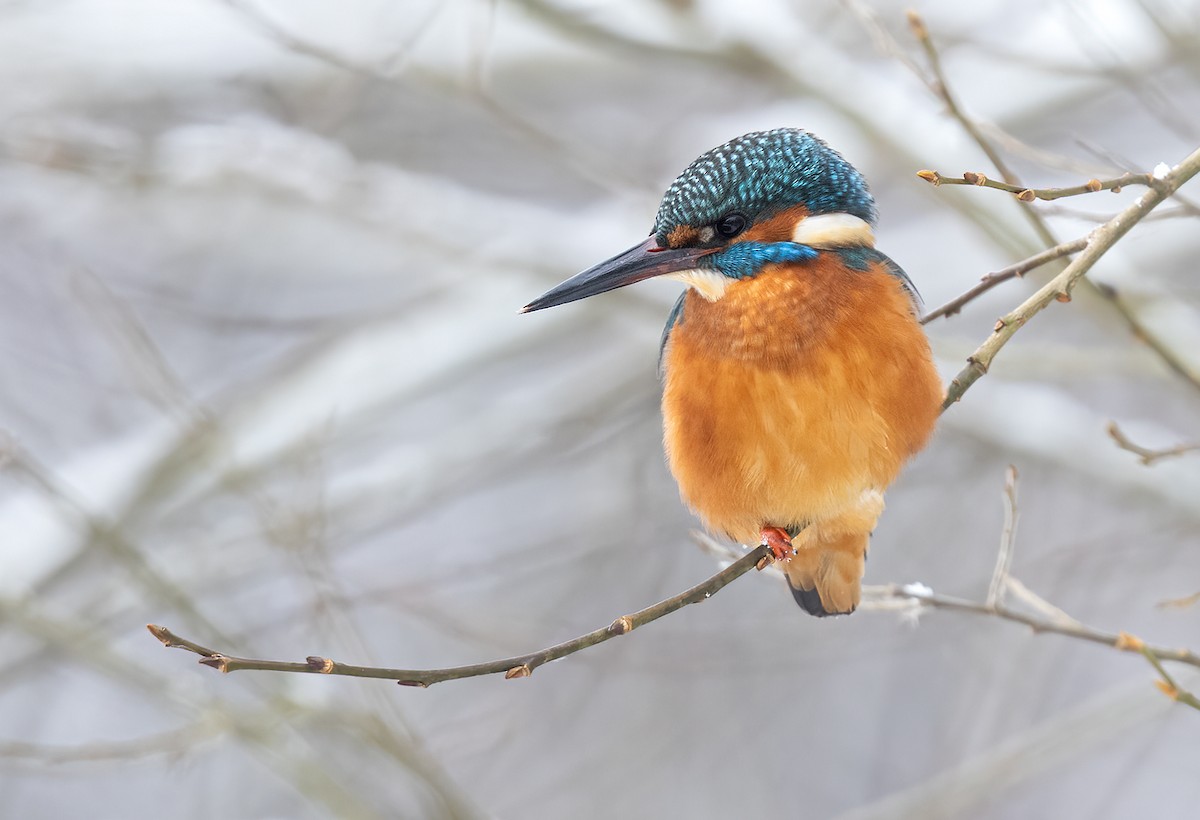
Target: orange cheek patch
x=778, y=228
x=682, y=236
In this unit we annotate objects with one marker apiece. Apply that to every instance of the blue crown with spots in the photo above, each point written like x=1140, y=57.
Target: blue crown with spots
x=761, y=173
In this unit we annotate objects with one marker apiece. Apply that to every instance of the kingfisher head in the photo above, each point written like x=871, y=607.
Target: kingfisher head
x=766, y=197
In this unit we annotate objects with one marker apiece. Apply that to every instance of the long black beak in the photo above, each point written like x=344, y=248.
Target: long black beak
x=639, y=262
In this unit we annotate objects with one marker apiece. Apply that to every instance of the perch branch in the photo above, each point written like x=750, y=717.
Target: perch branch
x=914, y=597
x=519, y=666
x=1092, y=248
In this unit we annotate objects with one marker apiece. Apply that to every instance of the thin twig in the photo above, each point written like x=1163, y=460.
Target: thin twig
x=389, y=72
x=914, y=597
x=1166, y=684
x=520, y=666
x=1072, y=629
x=1059, y=288
x=1169, y=357
x=1030, y=194
x=1008, y=538
x=940, y=87
x=1012, y=271
x=1147, y=456
x=1185, y=602
x=1037, y=603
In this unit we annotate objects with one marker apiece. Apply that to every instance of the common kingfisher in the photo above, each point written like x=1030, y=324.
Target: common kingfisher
x=796, y=377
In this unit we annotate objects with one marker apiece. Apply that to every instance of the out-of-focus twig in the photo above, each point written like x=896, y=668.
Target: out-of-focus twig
x=1166, y=684
x=1180, y=603
x=1008, y=538
x=1012, y=271
x=520, y=666
x=1174, y=362
x=175, y=741
x=100, y=531
x=389, y=72
x=1148, y=456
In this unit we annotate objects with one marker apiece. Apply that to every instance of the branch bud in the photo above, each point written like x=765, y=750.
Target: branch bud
x=1129, y=643
x=621, y=625
x=218, y=662
x=318, y=664
x=1167, y=689
x=917, y=25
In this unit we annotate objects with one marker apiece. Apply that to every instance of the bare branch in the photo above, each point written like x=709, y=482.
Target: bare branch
x=940, y=87
x=915, y=597
x=1012, y=271
x=520, y=666
x=1059, y=288
x=1169, y=357
x=1030, y=194
x=926, y=597
x=1155, y=180
x=1148, y=457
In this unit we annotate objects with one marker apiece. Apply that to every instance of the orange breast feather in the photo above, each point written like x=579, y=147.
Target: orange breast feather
x=793, y=394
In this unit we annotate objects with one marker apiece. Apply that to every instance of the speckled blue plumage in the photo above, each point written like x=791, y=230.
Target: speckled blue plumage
x=761, y=173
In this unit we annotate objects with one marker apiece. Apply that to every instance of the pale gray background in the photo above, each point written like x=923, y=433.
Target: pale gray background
x=259, y=273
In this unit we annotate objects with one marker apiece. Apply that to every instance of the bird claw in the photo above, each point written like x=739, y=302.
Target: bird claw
x=779, y=542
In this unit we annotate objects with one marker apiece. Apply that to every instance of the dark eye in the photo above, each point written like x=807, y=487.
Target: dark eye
x=731, y=225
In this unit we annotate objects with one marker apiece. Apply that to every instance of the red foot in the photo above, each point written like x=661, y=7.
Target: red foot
x=779, y=542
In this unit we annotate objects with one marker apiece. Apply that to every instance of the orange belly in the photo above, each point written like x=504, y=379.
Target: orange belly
x=796, y=396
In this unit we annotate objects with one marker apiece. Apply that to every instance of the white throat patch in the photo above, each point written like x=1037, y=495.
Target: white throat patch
x=833, y=231
x=710, y=284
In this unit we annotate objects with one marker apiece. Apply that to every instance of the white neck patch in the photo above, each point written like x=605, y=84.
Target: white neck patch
x=833, y=231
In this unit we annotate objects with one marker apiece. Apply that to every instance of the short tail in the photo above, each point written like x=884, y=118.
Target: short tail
x=826, y=572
